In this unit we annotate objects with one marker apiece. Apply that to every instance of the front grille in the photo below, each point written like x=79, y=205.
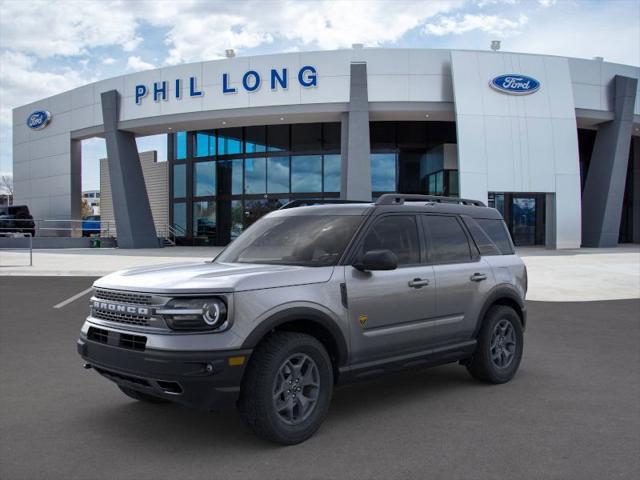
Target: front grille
x=133, y=342
x=128, y=318
x=98, y=335
x=123, y=297
x=119, y=376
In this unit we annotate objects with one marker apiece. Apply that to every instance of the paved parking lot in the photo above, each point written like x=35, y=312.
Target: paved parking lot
x=573, y=411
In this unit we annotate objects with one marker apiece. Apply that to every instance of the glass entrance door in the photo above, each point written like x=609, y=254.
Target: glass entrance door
x=523, y=220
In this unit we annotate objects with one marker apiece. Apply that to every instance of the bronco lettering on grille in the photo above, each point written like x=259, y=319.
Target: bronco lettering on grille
x=116, y=308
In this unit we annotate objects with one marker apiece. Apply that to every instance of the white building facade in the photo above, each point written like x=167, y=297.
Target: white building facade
x=551, y=141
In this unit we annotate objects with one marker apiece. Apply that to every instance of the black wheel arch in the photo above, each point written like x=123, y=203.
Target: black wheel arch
x=305, y=320
x=505, y=295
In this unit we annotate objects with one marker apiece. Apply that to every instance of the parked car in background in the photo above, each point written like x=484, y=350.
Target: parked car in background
x=91, y=225
x=17, y=219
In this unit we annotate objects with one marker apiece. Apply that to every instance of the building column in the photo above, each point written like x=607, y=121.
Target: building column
x=604, y=188
x=355, y=181
x=635, y=171
x=131, y=209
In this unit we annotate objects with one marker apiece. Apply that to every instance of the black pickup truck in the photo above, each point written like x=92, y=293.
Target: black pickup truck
x=16, y=219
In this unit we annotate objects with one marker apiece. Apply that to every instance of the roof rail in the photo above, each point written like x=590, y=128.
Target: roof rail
x=308, y=202
x=400, y=198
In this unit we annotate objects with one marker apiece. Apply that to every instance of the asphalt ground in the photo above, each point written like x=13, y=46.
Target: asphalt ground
x=573, y=410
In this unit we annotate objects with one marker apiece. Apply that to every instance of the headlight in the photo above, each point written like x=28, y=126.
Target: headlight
x=195, y=313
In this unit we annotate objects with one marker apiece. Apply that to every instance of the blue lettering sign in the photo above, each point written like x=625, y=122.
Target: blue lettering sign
x=225, y=84
x=192, y=88
x=253, y=85
x=141, y=92
x=159, y=90
x=308, y=77
x=275, y=77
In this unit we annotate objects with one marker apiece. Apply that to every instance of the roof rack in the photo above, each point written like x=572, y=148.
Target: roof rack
x=308, y=202
x=400, y=198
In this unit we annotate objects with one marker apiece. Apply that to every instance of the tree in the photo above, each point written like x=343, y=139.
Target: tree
x=6, y=184
x=86, y=209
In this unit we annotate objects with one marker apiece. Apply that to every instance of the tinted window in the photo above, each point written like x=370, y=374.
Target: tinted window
x=497, y=232
x=255, y=175
x=383, y=172
x=255, y=139
x=205, y=144
x=229, y=141
x=447, y=240
x=278, y=175
x=230, y=177
x=180, y=146
x=332, y=165
x=397, y=233
x=311, y=241
x=204, y=179
x=481, y=239
x=204, y=219
x=278, y=137
x=332, y=136
x=306, y=137
x=179, y=181
x=306, y=173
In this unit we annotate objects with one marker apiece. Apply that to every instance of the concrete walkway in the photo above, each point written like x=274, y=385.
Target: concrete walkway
x=554, y=275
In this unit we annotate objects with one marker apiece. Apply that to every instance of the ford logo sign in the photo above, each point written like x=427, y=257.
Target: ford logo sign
x=515, y=84
x=38, y=120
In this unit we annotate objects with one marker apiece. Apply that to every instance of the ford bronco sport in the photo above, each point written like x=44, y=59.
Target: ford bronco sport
x=310, y=297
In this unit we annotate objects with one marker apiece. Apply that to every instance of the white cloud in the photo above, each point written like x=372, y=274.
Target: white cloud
x=108, y=61
x=48, y=29
x=547, y=3
x=491, y=24
x=135, y=64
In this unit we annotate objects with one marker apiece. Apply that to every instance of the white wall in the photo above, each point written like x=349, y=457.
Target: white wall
x=527, y=143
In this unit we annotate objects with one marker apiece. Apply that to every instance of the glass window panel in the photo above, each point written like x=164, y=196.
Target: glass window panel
x=255, y=139
x=230, y=141
x=331, y=136
x=306, y=137
x=255, y=175
x=383, y=135
x=179, y=181
x=204, y=219
x=453, y=183
x=498, y=233
x=180, y=145
x=398, y=233
x=230, y=177
x=180, y=218
x=204, y=179
x=278, y=138
x=205, y=144
x=412, y=134
x=332, y=165
x=383, y=172
x=447, y=241
x=278, y=175
x=237, y=216
x=306, y=173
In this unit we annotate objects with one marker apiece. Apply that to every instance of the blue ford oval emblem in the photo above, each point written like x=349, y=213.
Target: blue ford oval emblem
x=515, y=84
x=38, y=120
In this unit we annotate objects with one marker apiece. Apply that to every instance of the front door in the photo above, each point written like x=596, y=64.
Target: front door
x=389, y=311
x=523, y=220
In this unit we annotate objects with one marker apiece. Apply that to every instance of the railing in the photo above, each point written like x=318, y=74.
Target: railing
x=20, y=235
x=57, y=228
x=172, y=232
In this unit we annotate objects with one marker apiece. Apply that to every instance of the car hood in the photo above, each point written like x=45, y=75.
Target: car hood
x=196, y=277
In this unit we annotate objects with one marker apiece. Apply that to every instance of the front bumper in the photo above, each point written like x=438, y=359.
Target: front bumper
x=205, y=380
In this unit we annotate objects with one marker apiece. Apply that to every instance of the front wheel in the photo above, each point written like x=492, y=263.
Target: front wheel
x=287, y=388
x=499, y=349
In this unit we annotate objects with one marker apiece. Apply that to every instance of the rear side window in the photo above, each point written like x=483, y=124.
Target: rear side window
x=480, y=237
x=397, y=233
x=498, y=233
x=447, y=241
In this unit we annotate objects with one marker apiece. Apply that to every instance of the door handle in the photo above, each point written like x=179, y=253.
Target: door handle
x=418, y=283
x=478, y=277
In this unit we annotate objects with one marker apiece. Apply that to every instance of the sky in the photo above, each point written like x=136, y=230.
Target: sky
x=47, y=47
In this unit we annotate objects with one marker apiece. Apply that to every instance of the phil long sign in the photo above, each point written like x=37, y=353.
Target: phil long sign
x=251, y=81
x=515, y=84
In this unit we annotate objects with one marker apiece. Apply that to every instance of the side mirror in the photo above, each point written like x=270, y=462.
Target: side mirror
x=377, y=260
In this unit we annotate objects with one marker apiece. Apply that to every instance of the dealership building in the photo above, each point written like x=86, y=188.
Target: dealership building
x=552, y=142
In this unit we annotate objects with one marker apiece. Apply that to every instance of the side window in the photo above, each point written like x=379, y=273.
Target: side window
x=480, y=237
x=498, y=233
x=447, y=241
x=398, y=233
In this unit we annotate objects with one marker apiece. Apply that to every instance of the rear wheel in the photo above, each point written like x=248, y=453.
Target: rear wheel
x=141, y=396
x=499, y=349
x=287, y=388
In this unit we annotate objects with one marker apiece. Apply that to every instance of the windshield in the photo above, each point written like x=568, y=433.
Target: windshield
x=310, y=241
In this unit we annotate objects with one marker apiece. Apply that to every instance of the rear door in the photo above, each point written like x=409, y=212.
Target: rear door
x=389, y=311
x=463, y=278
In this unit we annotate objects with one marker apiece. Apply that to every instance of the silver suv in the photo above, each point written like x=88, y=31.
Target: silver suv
x=309, y=297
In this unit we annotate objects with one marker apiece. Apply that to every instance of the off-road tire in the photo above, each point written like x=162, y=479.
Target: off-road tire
x=482, y=365
x=256, y=404
x=141, y=396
